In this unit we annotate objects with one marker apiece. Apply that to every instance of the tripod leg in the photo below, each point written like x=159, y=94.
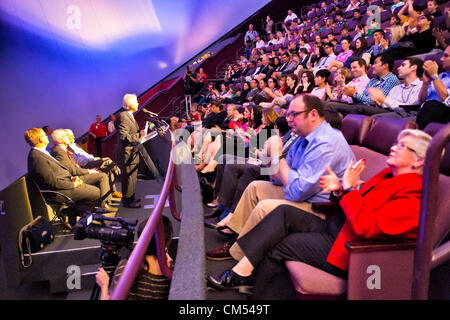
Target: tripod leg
x=95, y=292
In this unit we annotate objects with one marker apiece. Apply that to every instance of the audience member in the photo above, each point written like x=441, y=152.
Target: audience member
x=404, y=94
x=374, y=212
x=297, y=178
x=98, y=131
x=436, y=92
x=383, y=79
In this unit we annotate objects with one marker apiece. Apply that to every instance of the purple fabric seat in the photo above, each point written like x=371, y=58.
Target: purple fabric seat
x=432, y=129
x=370, y=41
x=385, y=15
x=355, y=128
x=349, y=14
x=326, y=32
x=351, y=25
x=439, y=23
x=337, y=30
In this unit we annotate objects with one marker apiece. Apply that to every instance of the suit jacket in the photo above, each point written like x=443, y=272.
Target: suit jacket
x=385, y=207
x=48, y=173
x=129, y=137
x=305, y=61
x=60, y=154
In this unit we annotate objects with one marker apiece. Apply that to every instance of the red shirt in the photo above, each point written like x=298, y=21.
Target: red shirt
x=389, y=210
x=99, y=129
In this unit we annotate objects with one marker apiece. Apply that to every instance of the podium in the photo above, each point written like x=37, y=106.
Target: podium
x=155, y=150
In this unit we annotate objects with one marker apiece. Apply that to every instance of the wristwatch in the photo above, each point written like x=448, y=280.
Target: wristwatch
x=435, y=77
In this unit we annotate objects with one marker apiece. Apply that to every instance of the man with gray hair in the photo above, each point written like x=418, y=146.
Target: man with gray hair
x=127, y=149
x=88, y=176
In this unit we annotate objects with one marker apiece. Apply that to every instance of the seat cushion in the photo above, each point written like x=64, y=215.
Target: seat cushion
x=313, y=281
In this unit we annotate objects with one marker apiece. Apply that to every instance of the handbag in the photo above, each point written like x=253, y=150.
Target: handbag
x=33, y=237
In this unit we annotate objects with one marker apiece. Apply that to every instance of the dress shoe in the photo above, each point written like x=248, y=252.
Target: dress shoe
x=229, y=280
x=213, y=214
x=220, y=254
x=131, y=204
x=212, y=223
x=109, y=208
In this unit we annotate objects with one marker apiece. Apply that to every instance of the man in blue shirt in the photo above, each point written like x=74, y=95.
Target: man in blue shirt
x=436, y=92
x=297, y=175
x=384, y=80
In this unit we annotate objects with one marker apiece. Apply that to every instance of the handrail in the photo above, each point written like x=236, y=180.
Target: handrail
x=153, y=225
x=428, y=214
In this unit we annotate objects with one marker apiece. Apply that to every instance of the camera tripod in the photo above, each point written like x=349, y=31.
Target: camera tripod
x=109, y=257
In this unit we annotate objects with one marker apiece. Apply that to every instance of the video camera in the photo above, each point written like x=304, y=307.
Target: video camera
x=119, y=232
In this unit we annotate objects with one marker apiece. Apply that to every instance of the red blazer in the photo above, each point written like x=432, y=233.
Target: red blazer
x=389, y=209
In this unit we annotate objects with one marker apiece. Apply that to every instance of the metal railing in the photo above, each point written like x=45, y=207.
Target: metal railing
x=153, y=226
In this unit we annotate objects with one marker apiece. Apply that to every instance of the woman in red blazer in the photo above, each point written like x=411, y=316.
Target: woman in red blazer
x=386, y=206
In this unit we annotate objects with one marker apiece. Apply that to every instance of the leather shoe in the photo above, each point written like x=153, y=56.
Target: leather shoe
x=220, y=254
x=131, y=204
x=213, y=214
x=229, y=280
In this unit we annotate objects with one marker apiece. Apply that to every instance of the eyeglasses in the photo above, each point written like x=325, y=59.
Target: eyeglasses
x=294, y=114
x=402, y=146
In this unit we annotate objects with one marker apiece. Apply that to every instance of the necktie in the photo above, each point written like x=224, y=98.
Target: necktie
x=70, y=155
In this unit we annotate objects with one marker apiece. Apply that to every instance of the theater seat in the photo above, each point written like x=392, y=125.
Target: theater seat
x=355, y=128
x=395, y=268
x=308, y=280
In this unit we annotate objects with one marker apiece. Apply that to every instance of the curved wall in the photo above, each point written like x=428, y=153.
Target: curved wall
x=63, y=62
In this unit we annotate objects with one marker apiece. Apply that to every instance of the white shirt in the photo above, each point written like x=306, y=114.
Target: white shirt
x=403, y=95
x=260, y=44
x=319, y=93
x=111, y=126
x=290, y=17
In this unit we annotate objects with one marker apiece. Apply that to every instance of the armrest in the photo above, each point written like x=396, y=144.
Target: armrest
x=380, y=245
x=56, y=193
x=329, y=208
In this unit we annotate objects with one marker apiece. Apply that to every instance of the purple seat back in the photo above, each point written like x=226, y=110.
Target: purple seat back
x=383, y=134
x=355, y=128
x=432, y=129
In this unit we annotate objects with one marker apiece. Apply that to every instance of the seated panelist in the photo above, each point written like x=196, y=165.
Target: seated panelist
x=50, y=174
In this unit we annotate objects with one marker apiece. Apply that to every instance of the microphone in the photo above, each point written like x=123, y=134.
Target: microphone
x=150, y=113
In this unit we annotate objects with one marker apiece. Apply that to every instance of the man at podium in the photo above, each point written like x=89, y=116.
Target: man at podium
x=127, y=149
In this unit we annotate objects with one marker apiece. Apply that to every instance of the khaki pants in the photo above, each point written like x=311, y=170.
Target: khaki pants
x=258, y=200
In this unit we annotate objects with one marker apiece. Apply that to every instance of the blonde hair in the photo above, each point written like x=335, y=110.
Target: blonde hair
x=397, y=32
x=421, y=140
x=33, y=135
x=270, y=114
